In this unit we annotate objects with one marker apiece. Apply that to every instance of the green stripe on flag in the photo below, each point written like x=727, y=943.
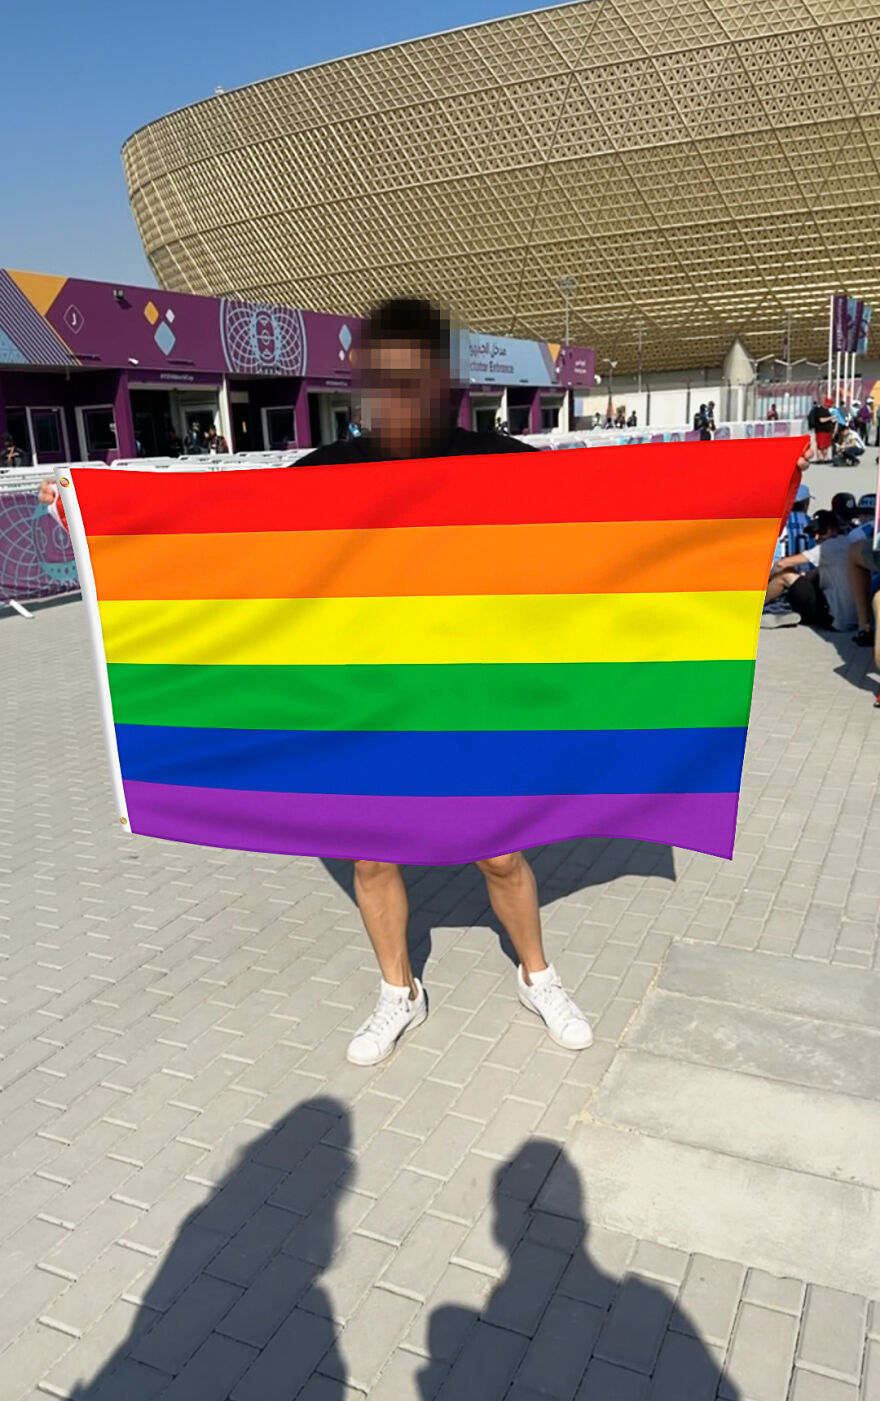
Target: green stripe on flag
x=514, y=696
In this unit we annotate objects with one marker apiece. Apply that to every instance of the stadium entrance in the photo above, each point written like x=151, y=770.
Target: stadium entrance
x=158, y=414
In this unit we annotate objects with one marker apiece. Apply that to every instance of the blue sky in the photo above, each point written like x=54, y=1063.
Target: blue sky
x=81, y=75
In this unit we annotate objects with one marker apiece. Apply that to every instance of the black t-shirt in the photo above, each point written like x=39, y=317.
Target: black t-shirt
x=462, y=443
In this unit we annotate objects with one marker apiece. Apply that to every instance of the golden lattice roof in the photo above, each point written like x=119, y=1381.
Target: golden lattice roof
x=703, y=168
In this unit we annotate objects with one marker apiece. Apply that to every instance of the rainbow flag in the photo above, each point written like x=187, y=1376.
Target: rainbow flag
x=432, y=661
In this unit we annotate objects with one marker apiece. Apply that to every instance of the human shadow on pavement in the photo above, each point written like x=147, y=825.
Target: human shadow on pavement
x=456, y=895
x=557, y=1323
x=856, y=663
x=225, y=1304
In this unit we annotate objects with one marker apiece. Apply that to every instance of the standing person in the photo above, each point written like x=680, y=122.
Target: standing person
x=701, y=423
x=406, y=364
x=194, y=442
x=710, y=417
x=11, y=456
x=823, y=428
x=864, y=419
x=175, y=446
x=215, y=442
x=633, y=420
x=772, y=414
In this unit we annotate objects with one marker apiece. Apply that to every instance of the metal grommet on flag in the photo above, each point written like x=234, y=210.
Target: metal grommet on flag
x=124, y=821
x=64, y=481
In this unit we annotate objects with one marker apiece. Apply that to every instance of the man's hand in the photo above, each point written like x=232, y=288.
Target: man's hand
x=804, y=461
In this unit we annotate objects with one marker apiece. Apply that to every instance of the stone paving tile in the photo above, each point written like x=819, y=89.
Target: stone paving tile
x=833, y=1333
x=176, y=1241
x=761, y=1355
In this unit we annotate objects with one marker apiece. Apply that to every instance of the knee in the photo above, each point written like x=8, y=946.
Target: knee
x=371, y=872
x=502, y=867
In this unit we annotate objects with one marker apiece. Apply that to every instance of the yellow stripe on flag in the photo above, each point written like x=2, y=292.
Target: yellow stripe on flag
x=660, y=627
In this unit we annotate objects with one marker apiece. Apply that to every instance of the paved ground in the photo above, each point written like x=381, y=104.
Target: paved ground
x=201, y=1200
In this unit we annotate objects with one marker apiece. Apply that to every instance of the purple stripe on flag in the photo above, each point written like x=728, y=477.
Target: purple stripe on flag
x=423, y=830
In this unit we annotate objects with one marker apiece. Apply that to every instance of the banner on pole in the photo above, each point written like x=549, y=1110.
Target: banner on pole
x=851, y=319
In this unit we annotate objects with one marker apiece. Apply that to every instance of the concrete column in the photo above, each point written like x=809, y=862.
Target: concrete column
x=126, y=444
x=464, y=410
x=226, y=413
x=301, y=423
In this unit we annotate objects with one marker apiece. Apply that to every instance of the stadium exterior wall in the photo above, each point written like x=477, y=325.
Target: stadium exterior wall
x=704, y=170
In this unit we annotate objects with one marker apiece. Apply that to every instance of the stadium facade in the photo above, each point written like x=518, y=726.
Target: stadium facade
x=655, y=177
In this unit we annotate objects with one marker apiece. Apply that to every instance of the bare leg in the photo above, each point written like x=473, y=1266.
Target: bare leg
x=860, y=583
x=777, y=586
x=381, y=897
x=513, y=895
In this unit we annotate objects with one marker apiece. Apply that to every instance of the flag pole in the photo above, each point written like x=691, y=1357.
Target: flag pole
x=830, y=342
x=79, y=541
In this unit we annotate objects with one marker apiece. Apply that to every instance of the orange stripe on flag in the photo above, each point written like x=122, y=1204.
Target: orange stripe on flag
x=593, y=557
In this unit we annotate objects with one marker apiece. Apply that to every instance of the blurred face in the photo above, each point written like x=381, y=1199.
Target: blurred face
x=407, y=396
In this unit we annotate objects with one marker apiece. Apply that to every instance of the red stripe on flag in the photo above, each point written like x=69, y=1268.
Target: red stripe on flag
x=663, y=481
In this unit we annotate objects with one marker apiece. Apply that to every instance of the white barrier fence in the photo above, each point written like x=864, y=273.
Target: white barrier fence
x=623, y=437
x=36, y=559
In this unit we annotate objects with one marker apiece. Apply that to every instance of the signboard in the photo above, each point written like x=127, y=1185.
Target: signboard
x=507, y=360
x=58, y=321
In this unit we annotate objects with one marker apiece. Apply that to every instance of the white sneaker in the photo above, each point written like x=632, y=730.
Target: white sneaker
x=394, y=1013
x=545, y=995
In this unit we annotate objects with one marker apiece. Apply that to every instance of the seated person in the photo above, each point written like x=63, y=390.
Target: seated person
x=864, y=580
x=843, y=504
x=795, y=534
x=848, y=447
x=822, y=597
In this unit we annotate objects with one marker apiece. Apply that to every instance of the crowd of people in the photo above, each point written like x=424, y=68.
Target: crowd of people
x=617, y=418
x=841, y=430
x=198, y=441
x=826, y=573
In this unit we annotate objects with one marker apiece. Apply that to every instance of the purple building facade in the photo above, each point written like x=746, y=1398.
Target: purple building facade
x=93, y=370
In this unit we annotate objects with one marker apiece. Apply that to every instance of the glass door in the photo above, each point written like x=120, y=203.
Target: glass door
x=97, y=432
x=49, y=435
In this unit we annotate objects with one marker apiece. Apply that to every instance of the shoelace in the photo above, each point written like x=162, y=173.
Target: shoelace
x=556, y=1000
x=382, y=1015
